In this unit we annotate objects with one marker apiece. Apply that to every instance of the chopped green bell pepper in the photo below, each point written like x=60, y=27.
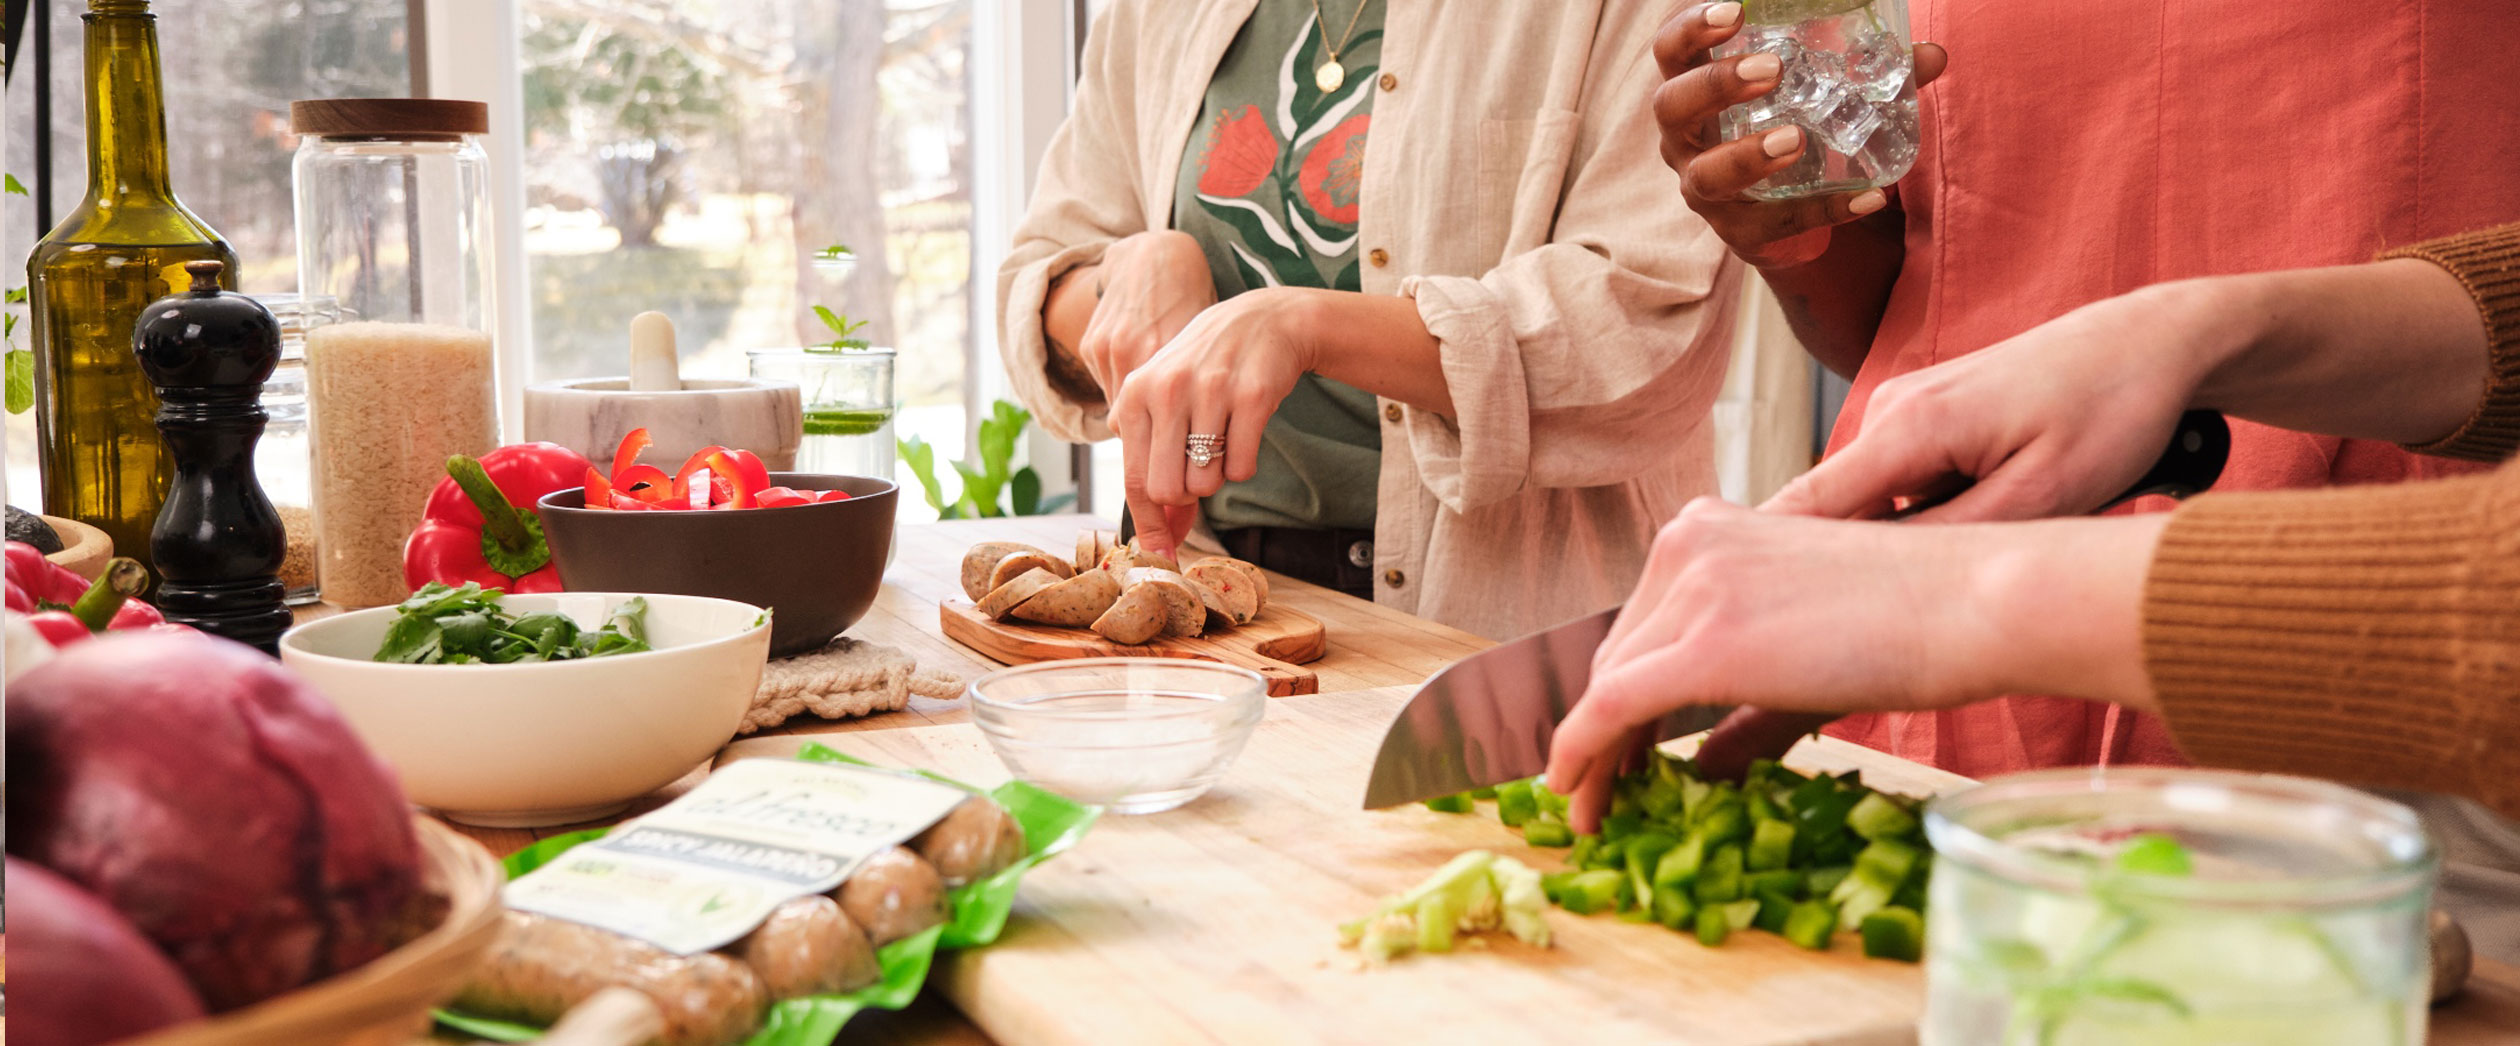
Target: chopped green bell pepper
x=1515, y=803
x=1548, y=833
x=1771, y=846
x=1877, y=817
x=1451, y=804
x=1894, y=933
x=1810, y=924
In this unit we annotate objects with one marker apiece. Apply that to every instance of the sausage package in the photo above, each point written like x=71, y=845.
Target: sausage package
x=709, y=867
x=770, y=836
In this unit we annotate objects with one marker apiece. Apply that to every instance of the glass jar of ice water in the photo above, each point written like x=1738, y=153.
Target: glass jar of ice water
x=2175, y=908
x=1848, y=82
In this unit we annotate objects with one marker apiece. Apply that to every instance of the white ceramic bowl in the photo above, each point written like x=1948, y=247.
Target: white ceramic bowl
x=527, y=745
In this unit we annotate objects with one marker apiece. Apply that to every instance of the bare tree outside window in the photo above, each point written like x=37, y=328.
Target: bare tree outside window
x=693, y=156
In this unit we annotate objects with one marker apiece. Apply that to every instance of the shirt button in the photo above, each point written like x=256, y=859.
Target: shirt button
x=1379, y=257
x=1391, y=413
x=1361, y=554
x=1394, y=578
x=1389, y=82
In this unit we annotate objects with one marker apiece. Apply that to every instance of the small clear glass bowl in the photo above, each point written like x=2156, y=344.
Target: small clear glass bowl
x=1133, y=735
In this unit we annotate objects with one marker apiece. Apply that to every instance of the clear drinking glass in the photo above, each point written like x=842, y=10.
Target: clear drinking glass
x=284, y=457
x=2302, y=922
x=1848, y=82
x=393, y=224
x=849, y=407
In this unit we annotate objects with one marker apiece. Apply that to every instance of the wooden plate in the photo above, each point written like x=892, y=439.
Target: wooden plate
x=1275, y=644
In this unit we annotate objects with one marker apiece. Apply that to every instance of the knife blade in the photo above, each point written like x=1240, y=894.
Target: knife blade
x=1488, y=718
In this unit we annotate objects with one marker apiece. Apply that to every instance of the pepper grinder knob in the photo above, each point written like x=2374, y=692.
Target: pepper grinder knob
x=218, y=541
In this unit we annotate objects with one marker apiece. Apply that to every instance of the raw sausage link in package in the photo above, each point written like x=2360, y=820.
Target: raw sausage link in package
x=768, y=905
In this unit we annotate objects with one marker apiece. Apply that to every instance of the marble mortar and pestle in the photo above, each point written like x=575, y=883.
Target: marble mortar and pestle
x=591, y=415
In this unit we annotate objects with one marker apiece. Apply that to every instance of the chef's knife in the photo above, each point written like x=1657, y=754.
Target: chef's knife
x=1488, y=718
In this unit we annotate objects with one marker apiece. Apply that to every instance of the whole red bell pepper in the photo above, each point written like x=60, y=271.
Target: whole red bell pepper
x=65, y=608
x=480, y=524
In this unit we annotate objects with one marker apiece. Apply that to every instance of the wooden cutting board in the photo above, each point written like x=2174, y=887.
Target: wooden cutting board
x=1276, y=644
x=1215, y=922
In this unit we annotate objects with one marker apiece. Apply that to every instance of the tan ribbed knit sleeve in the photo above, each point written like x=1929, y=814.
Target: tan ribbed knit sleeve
x=2367, y=634
x=2488, y=262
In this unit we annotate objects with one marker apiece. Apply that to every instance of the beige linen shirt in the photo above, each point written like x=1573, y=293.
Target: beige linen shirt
x=1514, y=189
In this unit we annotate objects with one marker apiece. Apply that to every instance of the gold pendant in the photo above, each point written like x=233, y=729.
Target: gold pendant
x=1330, y=76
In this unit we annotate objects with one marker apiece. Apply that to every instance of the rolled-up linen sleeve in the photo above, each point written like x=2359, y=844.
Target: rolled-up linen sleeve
x=1581, y=361
x=1084, y=198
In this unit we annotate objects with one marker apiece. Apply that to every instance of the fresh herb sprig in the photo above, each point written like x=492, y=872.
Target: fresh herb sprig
x=844, y=331
x=443, y=624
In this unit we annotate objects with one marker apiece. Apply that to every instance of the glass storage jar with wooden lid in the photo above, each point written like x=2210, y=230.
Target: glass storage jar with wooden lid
x=393, y=225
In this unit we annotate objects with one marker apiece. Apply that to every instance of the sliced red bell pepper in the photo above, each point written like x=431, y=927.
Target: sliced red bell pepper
x=638, y=440
x=599, y=491
x=480, y=526
x=740, y=484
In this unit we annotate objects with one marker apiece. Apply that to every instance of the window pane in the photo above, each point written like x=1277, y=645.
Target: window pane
x=230, y=69
x=691, y=157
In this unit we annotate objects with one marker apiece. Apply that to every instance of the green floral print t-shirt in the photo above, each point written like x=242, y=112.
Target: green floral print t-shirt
x=1269, y=187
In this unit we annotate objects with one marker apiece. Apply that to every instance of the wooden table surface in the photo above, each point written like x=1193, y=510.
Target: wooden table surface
x=1369, y=646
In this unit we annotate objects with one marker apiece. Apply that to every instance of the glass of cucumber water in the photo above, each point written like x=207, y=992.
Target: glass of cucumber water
x=1848, y=81
x=848, y=396
x=2170, y=907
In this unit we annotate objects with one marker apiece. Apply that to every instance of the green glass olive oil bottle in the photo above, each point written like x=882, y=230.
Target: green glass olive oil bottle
x=124, y=247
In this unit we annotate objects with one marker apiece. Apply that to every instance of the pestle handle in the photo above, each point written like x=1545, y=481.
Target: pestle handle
x=653, y=366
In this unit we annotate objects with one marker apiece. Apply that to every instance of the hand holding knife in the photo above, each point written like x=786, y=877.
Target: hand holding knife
x=1490, y=718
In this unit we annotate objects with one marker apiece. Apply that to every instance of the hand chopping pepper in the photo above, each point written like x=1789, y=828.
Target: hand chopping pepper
x=714, y=478
x=480, y=525
x=65, y=608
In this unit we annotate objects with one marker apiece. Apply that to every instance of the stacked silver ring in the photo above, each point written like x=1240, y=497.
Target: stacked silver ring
x=1203, y=449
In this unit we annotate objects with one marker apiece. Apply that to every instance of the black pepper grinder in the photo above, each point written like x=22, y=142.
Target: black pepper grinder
x=218, y=542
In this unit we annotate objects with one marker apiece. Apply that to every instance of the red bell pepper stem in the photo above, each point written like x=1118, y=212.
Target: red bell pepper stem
x=122, y=579
x=499, y=517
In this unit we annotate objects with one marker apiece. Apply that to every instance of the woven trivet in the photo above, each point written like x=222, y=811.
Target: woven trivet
x=847, y=678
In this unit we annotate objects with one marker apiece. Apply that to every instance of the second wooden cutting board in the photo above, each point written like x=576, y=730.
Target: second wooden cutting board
x=1216, y=922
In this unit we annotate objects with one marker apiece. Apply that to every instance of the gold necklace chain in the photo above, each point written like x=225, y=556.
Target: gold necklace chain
x=1332, y=74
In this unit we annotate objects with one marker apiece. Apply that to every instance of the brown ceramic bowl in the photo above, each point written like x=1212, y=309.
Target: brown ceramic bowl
x=817, y=567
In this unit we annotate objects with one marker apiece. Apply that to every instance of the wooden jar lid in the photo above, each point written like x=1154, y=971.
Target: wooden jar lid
x=389, y=117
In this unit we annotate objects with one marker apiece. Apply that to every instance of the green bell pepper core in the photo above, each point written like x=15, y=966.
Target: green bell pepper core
x=1877, y=817
x=1548, y=833
x=1894, y=933
x=1600, y=890
x=1673, y=908
x=1515, y=803
x=1810, y=924
x=1712, y=927
x=1771, y=846
x=1451, y=804
x=1436, y=917
x=1719, y=882
x=1679, y=865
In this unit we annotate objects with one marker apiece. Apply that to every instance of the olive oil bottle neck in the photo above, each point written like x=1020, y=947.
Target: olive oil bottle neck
x=126, y=105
